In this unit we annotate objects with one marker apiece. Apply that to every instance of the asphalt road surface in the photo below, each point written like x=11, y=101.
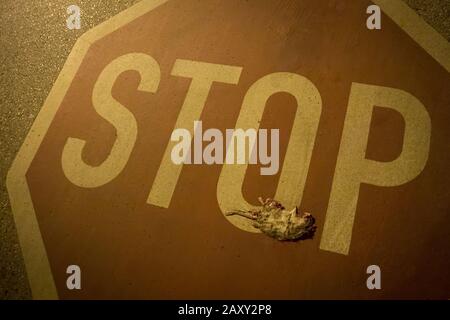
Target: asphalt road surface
x=35, y=44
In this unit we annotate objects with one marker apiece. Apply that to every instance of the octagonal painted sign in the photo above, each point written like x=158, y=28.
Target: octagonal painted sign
x=362, y=118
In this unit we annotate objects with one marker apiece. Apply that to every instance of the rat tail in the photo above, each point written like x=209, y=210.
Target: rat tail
x=242, y=213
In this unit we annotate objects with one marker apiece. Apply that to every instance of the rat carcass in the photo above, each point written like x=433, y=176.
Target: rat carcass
x=274, y=220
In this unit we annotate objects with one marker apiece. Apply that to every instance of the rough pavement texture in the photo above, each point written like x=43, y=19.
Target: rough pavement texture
x=34, y=44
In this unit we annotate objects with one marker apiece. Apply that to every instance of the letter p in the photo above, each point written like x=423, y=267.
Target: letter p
x=353, y=168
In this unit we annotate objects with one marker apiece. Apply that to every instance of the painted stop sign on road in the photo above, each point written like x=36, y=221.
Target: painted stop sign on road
x=363, y=145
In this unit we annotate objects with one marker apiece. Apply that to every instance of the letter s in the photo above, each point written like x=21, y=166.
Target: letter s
x=75, y=169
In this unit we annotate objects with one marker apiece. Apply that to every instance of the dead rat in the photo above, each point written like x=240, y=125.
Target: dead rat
x=277, y=222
